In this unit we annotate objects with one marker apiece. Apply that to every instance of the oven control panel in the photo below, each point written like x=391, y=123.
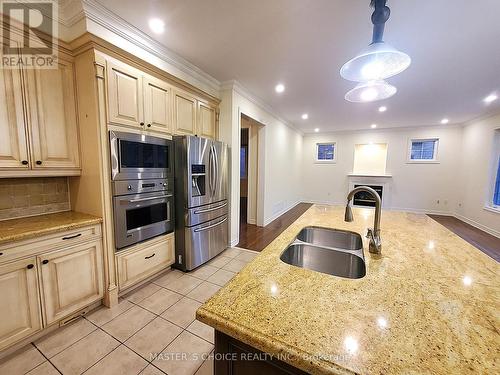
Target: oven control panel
x=126, y=187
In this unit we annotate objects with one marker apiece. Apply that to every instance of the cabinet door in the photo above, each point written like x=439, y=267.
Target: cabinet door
x=19, y=302
x=53, y=124
x=206, y=120
x=72, y=278
x=13, y=141
x=184, y=113
x=157, y=105
x=125, y=101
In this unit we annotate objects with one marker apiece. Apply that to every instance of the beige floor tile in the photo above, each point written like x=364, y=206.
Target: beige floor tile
x=184, y=355
x=234, y=265
x=184, y=284
x=128, y=323
x=247, y=255
x=153, y=338
x=45, y=368
x=21, y=361
x=142, y=292
x=151, y=370
x=160, y=301
x=202, y=330
x=84, y=353
x=231, y=252
x=203, y=272
x=167, y=278
x=207, y=368
x=203, y=292
x=104, y=314
x=219, y=262
x=183, y=312
x=221, y=277
x=120, y=361
x=63, y=337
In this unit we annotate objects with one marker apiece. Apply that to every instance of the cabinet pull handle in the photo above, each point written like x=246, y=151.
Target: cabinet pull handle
x=1, y=254
x=71, y=237
x=45, y=261
x=149, y=125
x=30, y=266
x=142, y=124
x=38, y=162
x=149, y=257
x=24, y=162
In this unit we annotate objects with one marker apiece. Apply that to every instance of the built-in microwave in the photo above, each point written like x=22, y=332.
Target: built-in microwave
x=139, y=157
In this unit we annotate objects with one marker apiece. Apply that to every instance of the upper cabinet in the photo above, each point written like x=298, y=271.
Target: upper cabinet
x=38, y=125
x=53, y=127
x=125, y=95
x=140, y=101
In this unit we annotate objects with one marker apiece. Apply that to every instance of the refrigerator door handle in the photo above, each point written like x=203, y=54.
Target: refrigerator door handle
x=216, y=165
x=211, y=226
x=213, y=176
x=210, y=169
x=210, y=209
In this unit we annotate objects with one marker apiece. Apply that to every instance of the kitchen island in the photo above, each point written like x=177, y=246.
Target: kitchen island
x=428, y=305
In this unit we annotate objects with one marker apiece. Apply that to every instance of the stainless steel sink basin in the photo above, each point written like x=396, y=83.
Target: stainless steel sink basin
x=325, y=260
x=331, y=238
x=332, y=251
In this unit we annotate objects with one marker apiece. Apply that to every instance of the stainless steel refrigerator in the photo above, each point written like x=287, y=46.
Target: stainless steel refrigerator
x=201, y=176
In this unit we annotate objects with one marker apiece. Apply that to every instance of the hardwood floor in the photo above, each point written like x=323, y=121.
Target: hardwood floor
x=257, y=238
x=485, y=242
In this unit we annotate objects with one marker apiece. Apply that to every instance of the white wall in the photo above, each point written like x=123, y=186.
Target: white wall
x=478, y=168
x=416, y=187
x=280, y=158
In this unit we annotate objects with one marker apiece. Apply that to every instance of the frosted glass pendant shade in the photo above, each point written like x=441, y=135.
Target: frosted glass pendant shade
x=379, y=61
x=371, y=91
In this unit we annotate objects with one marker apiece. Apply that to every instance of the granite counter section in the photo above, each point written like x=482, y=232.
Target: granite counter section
x=429, y=305
x=34, y=226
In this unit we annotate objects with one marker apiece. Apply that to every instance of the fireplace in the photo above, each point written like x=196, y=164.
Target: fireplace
x=365, y=199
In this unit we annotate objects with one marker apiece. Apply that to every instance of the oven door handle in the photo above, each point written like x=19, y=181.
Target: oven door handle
x=210, y=209
x=210, y=226
x=147, y=199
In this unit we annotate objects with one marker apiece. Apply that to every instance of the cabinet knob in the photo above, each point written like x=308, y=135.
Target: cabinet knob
x=45, y=261
x=1, y=254
x=149, y=125
x=30, y=266
x=142, y=124
x=38, y=162
x=24, y=162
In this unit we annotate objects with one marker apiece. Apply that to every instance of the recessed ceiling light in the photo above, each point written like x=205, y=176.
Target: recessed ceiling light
x=445, y=121
x=374, y=126
x=490, y=98
x=382, y=109
x=157, y=25
x=305, y=116
x=280, y=88
x=316, y=130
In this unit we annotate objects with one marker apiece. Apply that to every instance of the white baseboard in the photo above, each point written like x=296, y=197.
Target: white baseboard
x=278, y=214
x=234, y=242
x=484, y=228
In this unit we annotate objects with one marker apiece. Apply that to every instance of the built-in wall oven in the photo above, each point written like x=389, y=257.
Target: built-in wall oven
x=143, y=187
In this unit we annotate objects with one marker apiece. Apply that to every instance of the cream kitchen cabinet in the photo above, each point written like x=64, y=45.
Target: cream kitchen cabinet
x=157, y=108
x=207, y=120
x=19, y=302
x=193, y=116
x=38, y=126
x=71, y=278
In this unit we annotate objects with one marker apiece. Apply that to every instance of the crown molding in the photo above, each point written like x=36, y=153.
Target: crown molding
x=243, y=91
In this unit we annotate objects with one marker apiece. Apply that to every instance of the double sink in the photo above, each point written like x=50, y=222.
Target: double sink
x=331, y=251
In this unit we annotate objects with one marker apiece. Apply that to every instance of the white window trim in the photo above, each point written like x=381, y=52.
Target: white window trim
x=435, y=160
x=335, y=150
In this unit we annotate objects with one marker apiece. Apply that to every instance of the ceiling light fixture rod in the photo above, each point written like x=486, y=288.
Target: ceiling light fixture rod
x=380, y=16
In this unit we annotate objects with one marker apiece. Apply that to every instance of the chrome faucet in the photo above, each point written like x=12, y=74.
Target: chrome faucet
x=375, y=246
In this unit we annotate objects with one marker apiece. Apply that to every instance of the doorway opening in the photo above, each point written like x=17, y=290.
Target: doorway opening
x=244, y=175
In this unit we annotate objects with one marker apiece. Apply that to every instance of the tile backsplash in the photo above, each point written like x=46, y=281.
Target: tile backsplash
x=20, y=197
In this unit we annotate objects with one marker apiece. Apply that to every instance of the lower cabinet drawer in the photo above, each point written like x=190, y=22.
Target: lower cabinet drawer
x=144, y=260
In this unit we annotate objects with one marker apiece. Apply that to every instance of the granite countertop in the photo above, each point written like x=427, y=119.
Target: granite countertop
x=34, y=226
x=429, y=305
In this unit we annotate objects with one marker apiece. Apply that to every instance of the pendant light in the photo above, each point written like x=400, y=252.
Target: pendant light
x=379, y=61
x=370, y=91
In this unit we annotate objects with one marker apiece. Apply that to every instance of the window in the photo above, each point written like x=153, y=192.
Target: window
x=325, y=153
x=243, y=162
x=496, y=195
x=423, y=150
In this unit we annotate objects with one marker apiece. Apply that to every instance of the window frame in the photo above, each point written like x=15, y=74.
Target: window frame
x=323, y=161
x=494, y=174
x=434, y=160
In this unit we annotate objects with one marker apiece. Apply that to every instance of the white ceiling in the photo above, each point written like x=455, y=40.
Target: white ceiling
x=454, y=46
